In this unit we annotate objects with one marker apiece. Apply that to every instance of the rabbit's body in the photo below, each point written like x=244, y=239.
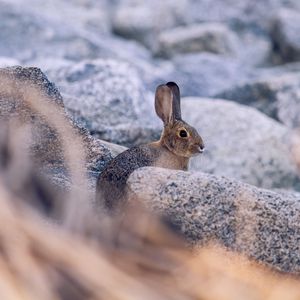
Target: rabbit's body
x=179, y=141
x=112, y=181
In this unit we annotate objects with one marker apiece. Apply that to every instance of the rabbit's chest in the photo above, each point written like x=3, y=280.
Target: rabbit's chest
x=170, y=161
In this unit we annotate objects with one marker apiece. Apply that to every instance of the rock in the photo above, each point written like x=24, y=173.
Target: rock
x=207, y=37
x=46, y=149
x=85, y=15
x=285, y=33
x=30, y=76
x=276, y=95
x=142, y=20
x=25, y=35
x=47, y=155
x=135, y=17
x=99, y=153
x=292, y=67
x=241, y=143
x=50, y=38
x=108, y=47
x=260, y=94
x=254, y=50
x=288, y=104
x=207, y=74
x=134, y=23
x=262, y=224
x=109, y=97
x=14, y=106
x=255, y=16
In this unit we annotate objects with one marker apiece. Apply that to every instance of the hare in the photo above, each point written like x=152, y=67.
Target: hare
x=178, y=142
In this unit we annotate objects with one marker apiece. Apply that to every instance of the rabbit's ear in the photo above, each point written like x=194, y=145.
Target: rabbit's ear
x=164, y=103
x=176, y=99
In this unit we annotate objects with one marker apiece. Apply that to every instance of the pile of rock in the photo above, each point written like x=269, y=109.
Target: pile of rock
x=107, y=57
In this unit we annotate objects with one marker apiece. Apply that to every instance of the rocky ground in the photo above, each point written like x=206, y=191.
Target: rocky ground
x=238, y=66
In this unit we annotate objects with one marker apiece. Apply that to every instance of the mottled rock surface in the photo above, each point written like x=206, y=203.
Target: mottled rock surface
x=207, y=74
x=46, y=147
x=109, y=98
x=210, y=37
x=251, y=15
x=42, y=32
x=142, y=20
x=259, y=223
x=26, y=35
x=275, y=95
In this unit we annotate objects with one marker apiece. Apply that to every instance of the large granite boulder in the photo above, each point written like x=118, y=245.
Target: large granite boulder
x=255, y=16
x=26, y=35
x=207, y=37
x=137, y=19
x=41, y=34
x=241, y=143
x=274, y=93
x=142, y=20
x=109, y=98
x=18, y=86
x=262, y=224
x=145, y=21
x=205, y=74
x=92, y=16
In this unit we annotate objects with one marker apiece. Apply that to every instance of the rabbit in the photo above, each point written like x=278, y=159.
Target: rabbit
x=178, y=143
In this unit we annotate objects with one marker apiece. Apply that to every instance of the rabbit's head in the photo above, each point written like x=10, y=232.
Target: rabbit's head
x=178, y=136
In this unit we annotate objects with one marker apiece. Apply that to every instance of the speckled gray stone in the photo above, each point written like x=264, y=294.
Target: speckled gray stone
x=27, y=33
x=207, y=74
x=142, y=20
x=41, y=34
x=251, y=15
x=207, y=37
x=288, y=104
x=277, y=95
x=109, y=97
x=241, y=143
x=262, y=224
x=46, y=146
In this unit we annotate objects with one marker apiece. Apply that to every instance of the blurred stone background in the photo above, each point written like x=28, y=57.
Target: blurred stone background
x=237, y=62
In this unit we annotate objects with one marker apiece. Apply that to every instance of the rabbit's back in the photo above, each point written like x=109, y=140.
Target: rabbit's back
x=112, y=181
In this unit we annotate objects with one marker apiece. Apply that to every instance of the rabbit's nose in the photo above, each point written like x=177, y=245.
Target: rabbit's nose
x=200, y=148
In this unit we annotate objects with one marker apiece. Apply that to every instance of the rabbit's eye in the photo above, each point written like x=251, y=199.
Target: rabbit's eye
x=183, y=133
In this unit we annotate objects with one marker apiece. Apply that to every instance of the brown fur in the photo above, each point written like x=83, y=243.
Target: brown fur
x=172, y=151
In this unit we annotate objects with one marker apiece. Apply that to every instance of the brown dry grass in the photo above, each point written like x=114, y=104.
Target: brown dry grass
x=91, y=256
